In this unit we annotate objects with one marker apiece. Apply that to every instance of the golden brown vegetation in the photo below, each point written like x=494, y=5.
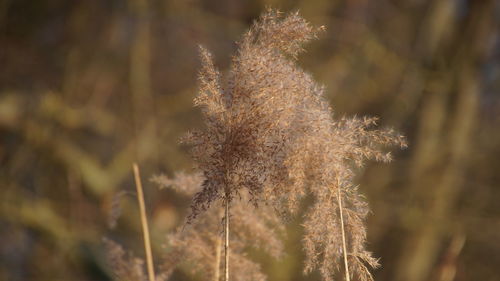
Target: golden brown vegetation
x=89, y=87
x=271, y=138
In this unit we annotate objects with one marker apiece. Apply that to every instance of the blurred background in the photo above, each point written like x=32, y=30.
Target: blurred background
x=88, y=87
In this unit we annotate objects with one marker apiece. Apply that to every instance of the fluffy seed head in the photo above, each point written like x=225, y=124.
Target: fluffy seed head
x=270, y=132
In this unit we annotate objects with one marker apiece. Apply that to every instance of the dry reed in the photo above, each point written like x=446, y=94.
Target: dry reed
x=270, y=132
x=144, y=223
x=270, y=139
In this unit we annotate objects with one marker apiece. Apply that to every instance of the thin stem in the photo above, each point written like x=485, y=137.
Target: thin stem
x=144, y=222
x=226, y=242
x=218, y=248
x=347, y=276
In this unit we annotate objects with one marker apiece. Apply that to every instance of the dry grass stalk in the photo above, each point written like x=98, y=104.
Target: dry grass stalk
x=226, y=239
x=144, y=223
x=344, y=247
x=218, y=247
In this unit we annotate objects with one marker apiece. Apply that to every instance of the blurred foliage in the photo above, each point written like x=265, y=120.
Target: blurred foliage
x=88, y=87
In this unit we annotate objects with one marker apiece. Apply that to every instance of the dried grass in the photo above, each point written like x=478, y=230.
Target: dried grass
x=271, y=139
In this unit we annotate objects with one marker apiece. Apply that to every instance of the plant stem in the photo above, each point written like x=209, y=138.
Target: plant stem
x=226, y=242
x=347, y=276
x=144, y=222
x=218, y=247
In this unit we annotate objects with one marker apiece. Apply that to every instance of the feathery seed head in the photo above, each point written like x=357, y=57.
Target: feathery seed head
x=269, y=131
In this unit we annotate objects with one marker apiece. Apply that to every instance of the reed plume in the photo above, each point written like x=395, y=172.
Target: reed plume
x=270, y=132
x=124, y=266
x=270, y=139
